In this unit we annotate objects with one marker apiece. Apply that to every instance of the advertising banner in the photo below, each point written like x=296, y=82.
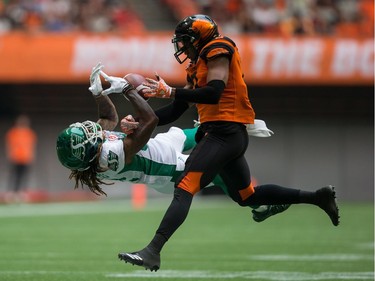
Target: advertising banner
x=68, y=58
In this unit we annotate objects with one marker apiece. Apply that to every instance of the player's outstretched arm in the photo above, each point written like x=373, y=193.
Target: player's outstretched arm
x=147, y=122
x=108, y=117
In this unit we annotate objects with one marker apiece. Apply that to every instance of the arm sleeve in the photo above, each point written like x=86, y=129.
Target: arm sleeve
x=171, y=112
x=209, y=94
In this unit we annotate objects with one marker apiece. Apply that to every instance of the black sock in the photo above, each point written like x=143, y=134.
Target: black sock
x=307, y=197
x=173, y=218
x=271, y=194
x=157, y=243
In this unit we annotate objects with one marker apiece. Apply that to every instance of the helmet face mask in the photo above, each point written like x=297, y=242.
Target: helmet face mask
x=78, y=144
x=183, y=45
x=191, y=35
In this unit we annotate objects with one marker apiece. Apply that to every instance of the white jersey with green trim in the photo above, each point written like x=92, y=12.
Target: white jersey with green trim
x=157, y=164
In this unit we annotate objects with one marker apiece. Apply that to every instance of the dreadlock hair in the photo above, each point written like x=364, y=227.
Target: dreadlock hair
x=89, y=177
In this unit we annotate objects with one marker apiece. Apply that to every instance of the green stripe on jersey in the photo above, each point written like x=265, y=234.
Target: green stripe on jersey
x=150, y=167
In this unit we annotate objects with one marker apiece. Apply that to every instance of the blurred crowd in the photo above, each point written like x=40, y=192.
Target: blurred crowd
x=293, y=17
x=277, y=17
x=68, y=15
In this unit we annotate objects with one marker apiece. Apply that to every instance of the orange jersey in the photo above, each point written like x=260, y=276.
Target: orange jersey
x=20, y=145
x=234, y=104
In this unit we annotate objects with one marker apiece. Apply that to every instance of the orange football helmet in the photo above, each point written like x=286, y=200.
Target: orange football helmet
x=192, y=34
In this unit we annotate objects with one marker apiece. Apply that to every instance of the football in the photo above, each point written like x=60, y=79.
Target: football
x=136, y=80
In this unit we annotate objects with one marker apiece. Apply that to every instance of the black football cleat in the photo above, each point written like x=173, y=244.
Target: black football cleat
x=145, y=258
x=265, y=211
x=326, y=200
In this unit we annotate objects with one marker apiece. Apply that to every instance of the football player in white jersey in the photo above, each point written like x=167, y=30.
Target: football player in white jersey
x=95, y=153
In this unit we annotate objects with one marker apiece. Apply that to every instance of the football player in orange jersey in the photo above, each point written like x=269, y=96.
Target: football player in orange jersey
x=216, y=86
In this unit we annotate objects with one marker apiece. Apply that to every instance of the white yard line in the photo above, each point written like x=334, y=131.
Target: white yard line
x=205, y=274
x=248, y=275
x=304, y=258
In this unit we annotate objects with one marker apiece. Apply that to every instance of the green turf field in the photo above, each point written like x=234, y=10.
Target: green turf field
x=219, y=241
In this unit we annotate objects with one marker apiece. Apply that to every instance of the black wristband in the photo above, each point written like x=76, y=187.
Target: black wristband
x=127, y=88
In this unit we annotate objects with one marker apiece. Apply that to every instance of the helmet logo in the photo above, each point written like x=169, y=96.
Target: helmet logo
x=78, y=147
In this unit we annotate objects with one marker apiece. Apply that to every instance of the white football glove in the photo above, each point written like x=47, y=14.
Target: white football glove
x=128, y=124
x=95, y=82
x=118, y=85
